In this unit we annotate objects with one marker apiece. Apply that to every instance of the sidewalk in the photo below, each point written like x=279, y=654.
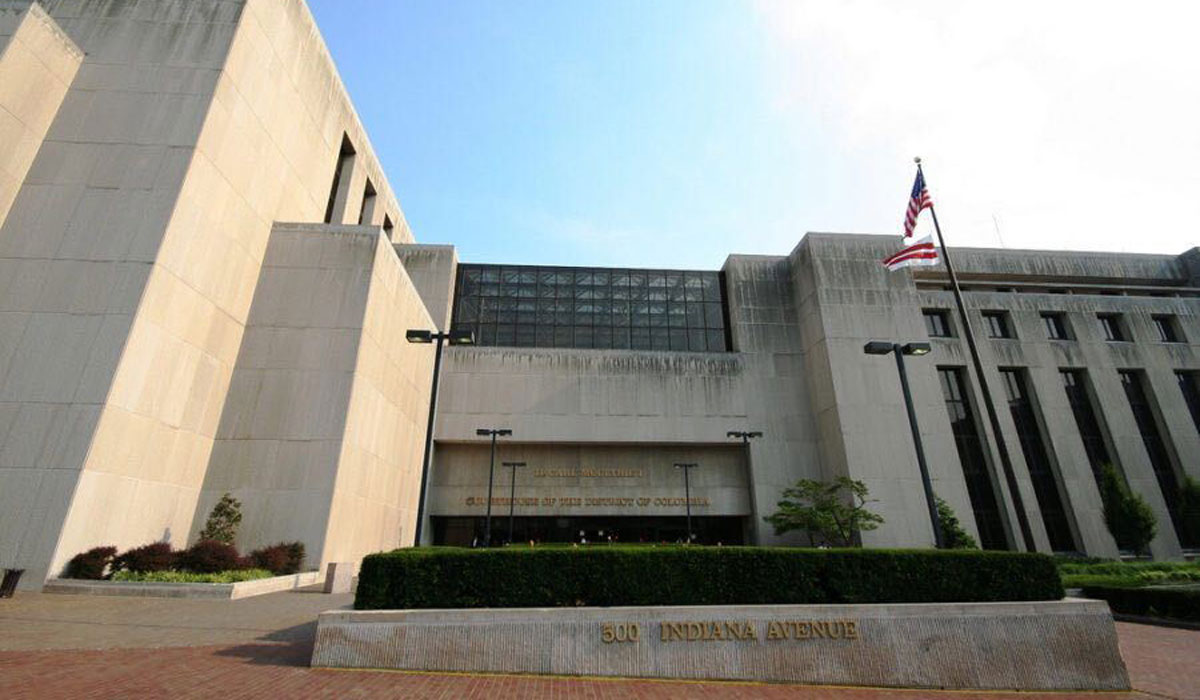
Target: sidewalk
x=55, y=646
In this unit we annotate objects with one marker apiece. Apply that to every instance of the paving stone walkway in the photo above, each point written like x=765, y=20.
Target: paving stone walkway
x=55, y=646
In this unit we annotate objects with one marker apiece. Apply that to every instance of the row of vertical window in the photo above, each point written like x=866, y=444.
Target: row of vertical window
x=998, y=324
x=605, y=308
x=1048, y=491
x=342, y=171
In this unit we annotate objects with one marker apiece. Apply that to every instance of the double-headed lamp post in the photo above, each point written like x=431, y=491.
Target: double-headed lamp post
x=687, y=494
x=512, y=496
x=425, y=337
x=494, y=432
x=884, y=347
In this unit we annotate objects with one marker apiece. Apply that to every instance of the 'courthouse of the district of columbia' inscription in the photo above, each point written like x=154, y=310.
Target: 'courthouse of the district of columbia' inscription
x=206, y=281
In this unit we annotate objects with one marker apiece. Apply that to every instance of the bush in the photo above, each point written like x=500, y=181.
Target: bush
x=444, y=577
x=1189, y=513
x=953, y=534
x=1173, y=603
x=90, y=564
x=280, y=559
x=223, y=521
x=151, y=557
x=1126, y=514
x=172, y=576
x=209, y=557
x=1126, y=574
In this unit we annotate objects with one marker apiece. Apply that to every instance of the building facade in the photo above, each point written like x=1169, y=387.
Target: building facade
x=206, y=281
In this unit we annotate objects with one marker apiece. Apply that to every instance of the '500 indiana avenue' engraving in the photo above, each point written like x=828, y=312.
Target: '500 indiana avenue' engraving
x=732, y=631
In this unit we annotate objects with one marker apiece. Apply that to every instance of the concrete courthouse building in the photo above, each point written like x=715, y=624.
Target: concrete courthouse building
x=206, y=282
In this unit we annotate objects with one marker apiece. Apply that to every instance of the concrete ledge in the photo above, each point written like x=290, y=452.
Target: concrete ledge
x=147, y=589
x=1058, y=645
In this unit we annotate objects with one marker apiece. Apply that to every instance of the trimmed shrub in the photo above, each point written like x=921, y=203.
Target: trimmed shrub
x=280, y=559
x=223, y=521
x=1126, y=514
x=954, y=536
x=157, y=556
x=444, y=577
x=1172, y=603
x=172, y=576
x=209, y=557
x=90, y=564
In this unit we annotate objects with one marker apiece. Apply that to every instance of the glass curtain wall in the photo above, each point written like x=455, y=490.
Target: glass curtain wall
x=606, y=308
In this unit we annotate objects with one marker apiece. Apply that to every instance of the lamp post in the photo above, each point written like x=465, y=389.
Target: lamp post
x=512, y=496
x=426, y=337
x=687, y=493
x=883, y=347
x=746, y=436
x=494, y=432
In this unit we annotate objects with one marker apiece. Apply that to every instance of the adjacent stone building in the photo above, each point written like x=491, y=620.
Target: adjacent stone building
x=206, y=281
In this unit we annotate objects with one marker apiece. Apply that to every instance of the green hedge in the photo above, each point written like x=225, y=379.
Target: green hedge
x=444, y=577
x=1173, y=603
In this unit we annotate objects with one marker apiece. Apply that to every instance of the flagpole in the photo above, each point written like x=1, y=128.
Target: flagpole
x=1009, y=475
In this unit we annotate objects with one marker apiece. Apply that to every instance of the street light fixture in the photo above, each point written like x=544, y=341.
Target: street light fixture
x=512, y=496
x=687, y=494
x=419, y=336
x=883, y=347
x=494, y=432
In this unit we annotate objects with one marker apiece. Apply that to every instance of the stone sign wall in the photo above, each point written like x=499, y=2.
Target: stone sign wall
x=1059, y=645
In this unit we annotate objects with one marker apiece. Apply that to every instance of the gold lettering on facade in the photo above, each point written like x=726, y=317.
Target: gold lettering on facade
x=590, y=473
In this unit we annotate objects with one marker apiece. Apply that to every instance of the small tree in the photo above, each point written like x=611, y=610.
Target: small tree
x=1189, y=512
x=1126, y=514
x=827, y=511
x=953, y=534
x=223, y=521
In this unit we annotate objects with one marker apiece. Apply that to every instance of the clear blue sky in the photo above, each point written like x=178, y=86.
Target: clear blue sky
x=671, y=133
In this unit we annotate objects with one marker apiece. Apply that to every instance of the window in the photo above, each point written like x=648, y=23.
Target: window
x=1086, y=419
x=526, y=306
x=1056, y=325
x=1110, y=327
x=367, y=211
x=1037, y=458
x=937, y=323
x=345, y=163
x=1190, y=386
x=996, y=324
x=970, y=454
x=1168, y=329
x=388, y=227
x=1156, y=448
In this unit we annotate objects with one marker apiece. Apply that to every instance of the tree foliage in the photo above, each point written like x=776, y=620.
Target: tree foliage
x=953, y=534
x=828, y=512
x=1126, y=514
x=223, y=521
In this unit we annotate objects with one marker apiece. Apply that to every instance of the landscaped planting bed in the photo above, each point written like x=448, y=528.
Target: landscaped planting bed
x=446, y=577
x=1160, y=602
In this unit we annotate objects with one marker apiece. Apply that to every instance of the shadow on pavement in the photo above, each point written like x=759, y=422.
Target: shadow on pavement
x=291, y=646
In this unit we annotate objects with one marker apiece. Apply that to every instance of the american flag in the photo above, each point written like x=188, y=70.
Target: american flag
x=919, y=200
x=919, y=253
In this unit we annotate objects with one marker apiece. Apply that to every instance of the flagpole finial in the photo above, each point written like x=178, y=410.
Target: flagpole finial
x=917, y=160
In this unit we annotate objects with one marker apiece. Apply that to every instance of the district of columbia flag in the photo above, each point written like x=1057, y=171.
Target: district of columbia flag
x=919, y=200
x=918, y=253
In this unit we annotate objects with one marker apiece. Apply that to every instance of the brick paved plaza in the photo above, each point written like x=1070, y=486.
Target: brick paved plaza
x=57, y=646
